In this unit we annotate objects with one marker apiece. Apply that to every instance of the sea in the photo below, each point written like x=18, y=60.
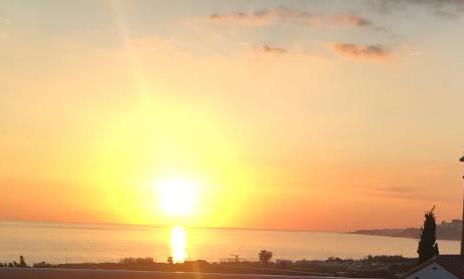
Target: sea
x=96, y=243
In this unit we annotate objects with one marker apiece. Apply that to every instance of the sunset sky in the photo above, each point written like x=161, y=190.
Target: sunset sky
x=317, y=115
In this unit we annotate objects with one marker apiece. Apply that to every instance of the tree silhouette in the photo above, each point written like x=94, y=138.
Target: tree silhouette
x=22, y=262
x=428, y=246
x=265, y=256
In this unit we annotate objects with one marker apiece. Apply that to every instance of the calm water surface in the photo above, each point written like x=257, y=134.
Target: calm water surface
x=60, y=243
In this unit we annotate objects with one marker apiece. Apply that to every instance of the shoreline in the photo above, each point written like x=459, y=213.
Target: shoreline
x=46, y=273
x=368, y=267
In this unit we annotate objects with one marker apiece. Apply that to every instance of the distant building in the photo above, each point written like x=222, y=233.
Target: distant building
x=440, y=267
x=454, y=224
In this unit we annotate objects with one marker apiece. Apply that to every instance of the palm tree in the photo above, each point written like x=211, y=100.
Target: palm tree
x=265, y=256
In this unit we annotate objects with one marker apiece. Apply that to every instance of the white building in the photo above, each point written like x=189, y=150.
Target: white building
x=440, y=267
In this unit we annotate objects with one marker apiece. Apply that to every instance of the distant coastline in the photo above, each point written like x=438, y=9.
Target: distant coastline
x=445, y=231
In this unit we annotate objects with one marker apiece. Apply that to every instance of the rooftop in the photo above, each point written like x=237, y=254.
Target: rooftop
x=453, y=263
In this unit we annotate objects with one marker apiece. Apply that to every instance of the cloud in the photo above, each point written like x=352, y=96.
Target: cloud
x=398, y=192
x=416, y=53
x=273, y=50
x=360, y=51
x=442, y=8
x=396, y=189
x=350, y=20
x=288, y=15
x=405, y=193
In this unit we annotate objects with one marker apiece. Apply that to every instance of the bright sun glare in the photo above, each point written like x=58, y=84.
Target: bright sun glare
x=178, y=247
x=177, y=197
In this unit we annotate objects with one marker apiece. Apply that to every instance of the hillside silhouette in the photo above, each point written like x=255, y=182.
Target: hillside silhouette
x=445, y=231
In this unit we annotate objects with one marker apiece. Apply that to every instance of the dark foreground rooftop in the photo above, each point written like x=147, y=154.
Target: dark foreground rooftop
x=452, y=263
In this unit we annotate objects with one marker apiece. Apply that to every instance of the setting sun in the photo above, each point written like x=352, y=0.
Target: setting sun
x=176, y=196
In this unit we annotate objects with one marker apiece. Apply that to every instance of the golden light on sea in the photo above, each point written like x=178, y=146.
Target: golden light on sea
x=178, y=244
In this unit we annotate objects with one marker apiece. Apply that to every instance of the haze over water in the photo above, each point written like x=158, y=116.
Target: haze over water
x=61, y=243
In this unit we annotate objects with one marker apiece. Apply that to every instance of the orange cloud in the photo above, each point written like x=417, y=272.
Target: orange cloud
x=361, y=51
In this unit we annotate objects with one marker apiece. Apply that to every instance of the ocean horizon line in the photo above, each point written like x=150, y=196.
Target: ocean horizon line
x=108, y=225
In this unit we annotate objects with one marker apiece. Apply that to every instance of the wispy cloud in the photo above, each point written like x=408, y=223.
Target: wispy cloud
x=396, y=190
x=339, y=20
x=360, y=51
x=273, y=50
x=416, y=53
x=443, y=8
x=288, y=15
x=405, y=193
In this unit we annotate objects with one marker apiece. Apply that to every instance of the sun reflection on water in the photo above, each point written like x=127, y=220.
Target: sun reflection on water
x=178, y=244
